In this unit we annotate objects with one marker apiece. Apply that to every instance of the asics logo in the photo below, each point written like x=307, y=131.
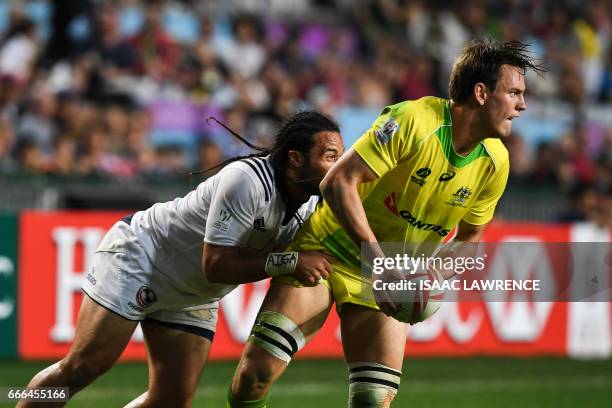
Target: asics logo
x=447, y=176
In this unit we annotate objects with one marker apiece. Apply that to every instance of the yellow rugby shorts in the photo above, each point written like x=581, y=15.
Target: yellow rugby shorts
x=345, y=282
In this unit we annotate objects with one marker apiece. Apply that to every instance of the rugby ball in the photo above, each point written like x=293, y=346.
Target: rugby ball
x=424, y=302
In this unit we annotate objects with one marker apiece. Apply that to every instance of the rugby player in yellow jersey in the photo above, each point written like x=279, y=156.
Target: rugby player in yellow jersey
x=424, y=168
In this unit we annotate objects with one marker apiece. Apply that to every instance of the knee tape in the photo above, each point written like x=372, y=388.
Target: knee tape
x=372, y=384
x=278, y=335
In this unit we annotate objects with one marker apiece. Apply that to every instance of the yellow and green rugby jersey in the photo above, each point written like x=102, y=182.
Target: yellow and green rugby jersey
x=424, y=189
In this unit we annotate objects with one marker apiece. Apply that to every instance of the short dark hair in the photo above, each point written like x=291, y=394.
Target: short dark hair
x=481, y=60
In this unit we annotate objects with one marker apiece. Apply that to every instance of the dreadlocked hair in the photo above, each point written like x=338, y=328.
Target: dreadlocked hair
x=297, y=133
x=262, y=150
x=265, y=152
x=481, y=61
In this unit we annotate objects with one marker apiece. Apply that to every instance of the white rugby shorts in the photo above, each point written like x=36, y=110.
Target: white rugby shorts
x=123, y=280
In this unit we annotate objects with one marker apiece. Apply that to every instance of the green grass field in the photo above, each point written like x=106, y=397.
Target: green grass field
x=472, y=382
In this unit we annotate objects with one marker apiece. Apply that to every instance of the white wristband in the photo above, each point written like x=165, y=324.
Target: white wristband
x=281, y=263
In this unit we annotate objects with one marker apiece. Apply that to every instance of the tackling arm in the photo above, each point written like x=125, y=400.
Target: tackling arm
x=226, y=259
x=235, y=265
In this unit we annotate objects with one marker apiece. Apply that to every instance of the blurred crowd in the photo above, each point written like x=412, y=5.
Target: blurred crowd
x=122, y=89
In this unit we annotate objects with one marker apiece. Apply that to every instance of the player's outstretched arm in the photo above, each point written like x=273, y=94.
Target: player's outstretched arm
x=339, y=188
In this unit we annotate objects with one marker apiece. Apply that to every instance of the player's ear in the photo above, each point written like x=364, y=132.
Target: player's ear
x=480, y=93
x=295, y=158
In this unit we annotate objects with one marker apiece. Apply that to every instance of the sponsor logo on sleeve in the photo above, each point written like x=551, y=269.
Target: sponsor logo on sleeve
x=222, y=224
x=386, y=131
x=224, y=215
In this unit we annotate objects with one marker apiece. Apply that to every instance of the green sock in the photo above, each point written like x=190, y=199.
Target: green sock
x=232, y=402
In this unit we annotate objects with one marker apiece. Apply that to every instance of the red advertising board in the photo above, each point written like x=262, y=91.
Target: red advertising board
x=53, y=249
x=56, y=247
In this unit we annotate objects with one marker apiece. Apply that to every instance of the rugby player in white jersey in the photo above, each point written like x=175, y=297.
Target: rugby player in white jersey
x=167, y=267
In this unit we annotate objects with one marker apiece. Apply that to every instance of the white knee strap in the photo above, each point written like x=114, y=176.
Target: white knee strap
x=372, y=384
x=278, y=335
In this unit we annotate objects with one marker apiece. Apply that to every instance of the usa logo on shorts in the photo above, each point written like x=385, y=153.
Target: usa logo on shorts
x=145, y=296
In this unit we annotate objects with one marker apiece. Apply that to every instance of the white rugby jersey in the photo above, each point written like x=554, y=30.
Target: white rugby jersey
x=239, y=206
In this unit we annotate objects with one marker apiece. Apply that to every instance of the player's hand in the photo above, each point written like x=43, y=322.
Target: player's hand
x=312, y=266
x=383, y=298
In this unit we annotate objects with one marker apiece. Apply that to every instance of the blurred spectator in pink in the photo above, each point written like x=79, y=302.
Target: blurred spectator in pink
x=418, y=78
x=157, y=51
x=334, y=75
x=581, y=160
